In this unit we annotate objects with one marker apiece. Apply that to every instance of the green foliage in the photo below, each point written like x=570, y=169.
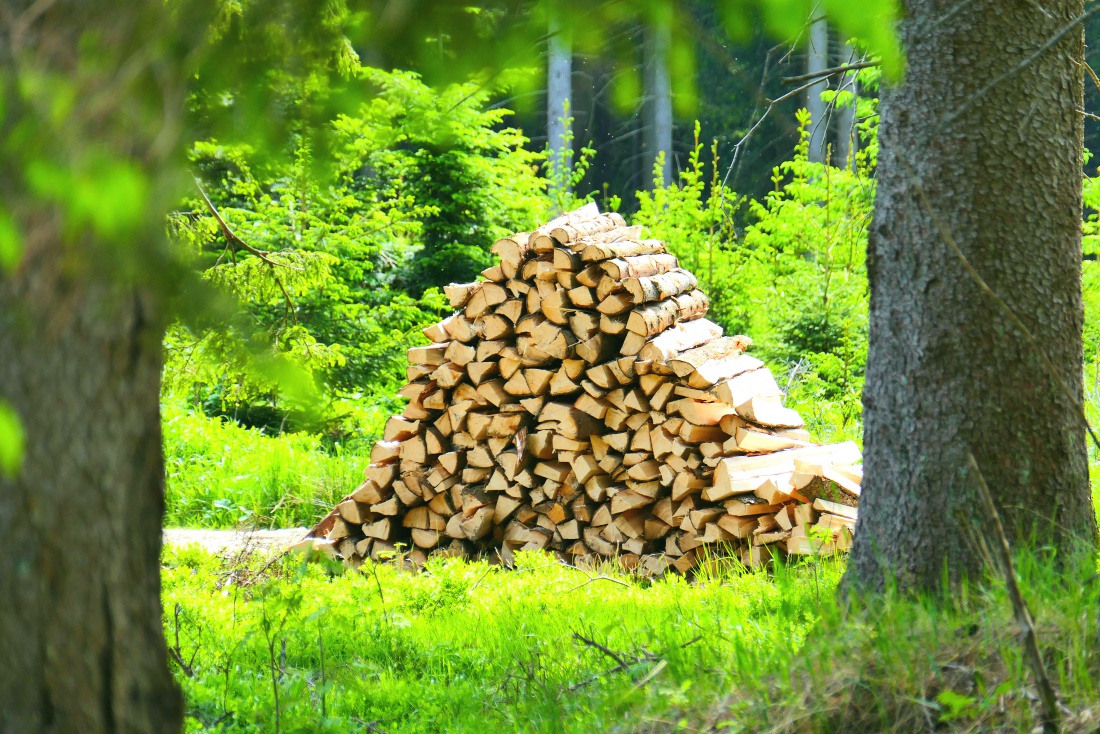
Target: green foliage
x=11, y=441
x=1090, y=271
x=336, y=267
x=696, y=218
x=465, y=647
x=810, y=239
x=220, y=474
x=11, y=243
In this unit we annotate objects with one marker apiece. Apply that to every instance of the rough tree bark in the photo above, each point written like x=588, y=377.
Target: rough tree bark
x=998, y=169
x=81, y=644
x=80, y=631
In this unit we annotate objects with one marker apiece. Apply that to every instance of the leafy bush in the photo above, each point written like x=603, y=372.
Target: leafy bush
x=696, y=219
x=811, y=232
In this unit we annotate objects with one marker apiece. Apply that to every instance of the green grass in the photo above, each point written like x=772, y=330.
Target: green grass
x=463, y=647
x=220, y=475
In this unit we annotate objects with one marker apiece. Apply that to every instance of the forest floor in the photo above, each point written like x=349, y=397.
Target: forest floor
x=266, y=642
x=234, y=541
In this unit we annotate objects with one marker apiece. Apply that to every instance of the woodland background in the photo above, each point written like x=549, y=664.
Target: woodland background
x=317, y=248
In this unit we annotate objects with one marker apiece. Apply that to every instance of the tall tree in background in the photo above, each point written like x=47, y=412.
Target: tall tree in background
x=657, y=118
x=817, y=60
x=559, y=92
x=980, y=148
x=847, y=139
x=89, y=147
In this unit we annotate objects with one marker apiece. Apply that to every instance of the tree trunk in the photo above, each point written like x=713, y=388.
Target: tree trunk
x=559, y=91
x=80, y=625
x=657, y=122
x=845, y=117
x=817, y=60
x=81, y=644
x=948, y=371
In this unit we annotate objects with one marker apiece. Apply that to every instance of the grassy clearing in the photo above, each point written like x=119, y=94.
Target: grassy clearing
x=468, y=648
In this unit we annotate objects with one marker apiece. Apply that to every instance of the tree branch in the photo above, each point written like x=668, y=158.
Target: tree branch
x=829, y=72
x=771, y=105
x=232, y=237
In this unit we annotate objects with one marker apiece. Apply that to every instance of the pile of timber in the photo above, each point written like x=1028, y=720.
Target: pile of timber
x=578, y=401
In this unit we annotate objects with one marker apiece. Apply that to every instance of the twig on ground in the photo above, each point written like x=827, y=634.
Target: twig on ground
x=623, y=664
x=592, y=579
x=481, y=578
x=661, y=665
x=177, y=653
x=1051, y=715
x=370, y=726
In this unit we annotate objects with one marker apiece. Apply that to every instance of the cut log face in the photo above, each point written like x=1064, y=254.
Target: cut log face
x=578, y=401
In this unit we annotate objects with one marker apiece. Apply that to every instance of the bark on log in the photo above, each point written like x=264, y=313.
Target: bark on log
x=652, y=319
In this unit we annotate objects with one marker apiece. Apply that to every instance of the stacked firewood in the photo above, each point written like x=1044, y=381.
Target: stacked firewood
x=578, y=401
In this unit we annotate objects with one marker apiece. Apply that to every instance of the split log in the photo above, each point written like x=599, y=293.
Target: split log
x=640, y=266
x=660, y=287
x=621, y=249
x=653, y=318
x=679, y=338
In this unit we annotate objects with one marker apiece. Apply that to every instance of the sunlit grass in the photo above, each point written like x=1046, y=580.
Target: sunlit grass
x=471, y=648
x=465, y=647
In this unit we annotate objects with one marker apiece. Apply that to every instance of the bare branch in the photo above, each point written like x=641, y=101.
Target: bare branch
x=232, y=237
x=843, y=69
x=771, y=105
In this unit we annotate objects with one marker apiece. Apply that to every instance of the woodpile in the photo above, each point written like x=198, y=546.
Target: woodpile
x=578, y=401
